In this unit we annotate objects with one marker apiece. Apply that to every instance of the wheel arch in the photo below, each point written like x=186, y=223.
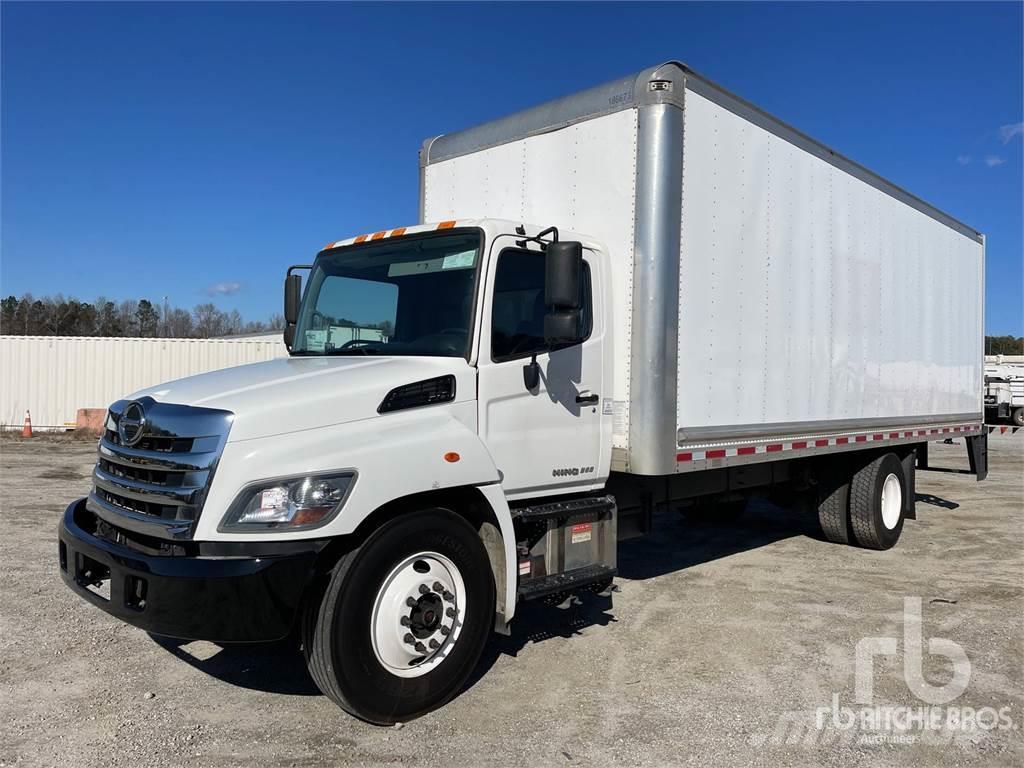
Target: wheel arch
x=483, y=507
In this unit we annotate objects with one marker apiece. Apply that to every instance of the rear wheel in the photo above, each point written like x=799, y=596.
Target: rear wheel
x=1017, y=417
x=403, y=619
x=877, y=495
x=833, y=505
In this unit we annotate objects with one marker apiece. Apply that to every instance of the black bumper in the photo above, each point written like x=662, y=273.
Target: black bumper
x=228, y=593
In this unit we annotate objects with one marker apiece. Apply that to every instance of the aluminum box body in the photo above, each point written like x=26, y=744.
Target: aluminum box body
x=766, y=288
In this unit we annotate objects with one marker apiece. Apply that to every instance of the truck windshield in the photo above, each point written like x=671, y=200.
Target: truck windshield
x=403, y=296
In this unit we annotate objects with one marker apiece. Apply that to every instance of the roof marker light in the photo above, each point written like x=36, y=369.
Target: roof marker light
x=398, y=232
x=378, y=235
x=360, y=239
x=446, y=225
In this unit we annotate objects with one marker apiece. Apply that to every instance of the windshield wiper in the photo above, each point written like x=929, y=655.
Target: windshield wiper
x=353, y=351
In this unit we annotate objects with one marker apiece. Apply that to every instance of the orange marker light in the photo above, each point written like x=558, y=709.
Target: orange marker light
x=378, y=235
x=360, y=239
x=451, y=457
x=446, y=225
x=398, y=232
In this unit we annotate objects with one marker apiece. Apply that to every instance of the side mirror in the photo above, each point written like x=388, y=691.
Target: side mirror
x=563, y=269
x=292, y=299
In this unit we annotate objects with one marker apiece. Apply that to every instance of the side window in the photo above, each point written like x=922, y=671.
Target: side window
x=517, y=320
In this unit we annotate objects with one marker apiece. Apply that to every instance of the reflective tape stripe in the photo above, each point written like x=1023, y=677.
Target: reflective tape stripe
x=823, y=442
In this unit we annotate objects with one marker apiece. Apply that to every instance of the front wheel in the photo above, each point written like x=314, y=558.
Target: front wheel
x=403, y=619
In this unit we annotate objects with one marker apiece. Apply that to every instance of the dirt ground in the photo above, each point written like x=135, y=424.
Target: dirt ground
x=726, y=645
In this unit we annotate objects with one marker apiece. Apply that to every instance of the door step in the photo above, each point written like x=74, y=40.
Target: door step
x=568, y=508
x=569, y=581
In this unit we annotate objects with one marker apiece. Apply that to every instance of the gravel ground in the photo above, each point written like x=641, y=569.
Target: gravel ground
x=721, y=645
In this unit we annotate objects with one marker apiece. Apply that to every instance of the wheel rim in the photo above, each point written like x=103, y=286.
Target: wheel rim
x=418, y=614
x=892, y=501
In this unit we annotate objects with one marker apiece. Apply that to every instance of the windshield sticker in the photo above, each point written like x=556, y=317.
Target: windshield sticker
x=462, y=260
x=404, y=268
x=315, y=340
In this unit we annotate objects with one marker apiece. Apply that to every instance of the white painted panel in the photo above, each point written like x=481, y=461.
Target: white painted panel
x=809, y=295
x=582, y=178
x=54, y=376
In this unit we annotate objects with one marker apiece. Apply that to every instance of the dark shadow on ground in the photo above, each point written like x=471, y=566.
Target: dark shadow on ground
x=680, y=541
x=271, y=667
x=677, y=542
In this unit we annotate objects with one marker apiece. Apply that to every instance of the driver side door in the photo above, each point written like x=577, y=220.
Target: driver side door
x=551, y=439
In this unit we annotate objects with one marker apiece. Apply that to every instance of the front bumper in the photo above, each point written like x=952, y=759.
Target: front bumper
x=229, y=592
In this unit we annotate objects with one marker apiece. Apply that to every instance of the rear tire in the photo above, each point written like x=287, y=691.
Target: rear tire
x=877, y=495
x=357, y=638
x=833, y=506
x=1017, y=417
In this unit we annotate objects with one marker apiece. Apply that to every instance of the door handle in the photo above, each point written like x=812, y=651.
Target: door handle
x=588, y=399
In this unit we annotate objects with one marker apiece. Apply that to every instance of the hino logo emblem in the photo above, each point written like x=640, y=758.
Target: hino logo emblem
x=132, y=424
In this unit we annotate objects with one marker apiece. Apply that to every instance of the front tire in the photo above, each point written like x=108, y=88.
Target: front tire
x=877, y=502
x=403, y=619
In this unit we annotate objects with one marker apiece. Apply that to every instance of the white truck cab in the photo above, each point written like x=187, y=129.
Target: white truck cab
x=475, y=410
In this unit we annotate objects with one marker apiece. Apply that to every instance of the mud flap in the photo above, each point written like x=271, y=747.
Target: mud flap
x=910, y=485
x=977, y=454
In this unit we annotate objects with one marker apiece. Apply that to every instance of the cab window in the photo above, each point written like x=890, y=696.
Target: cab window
x=517, y=319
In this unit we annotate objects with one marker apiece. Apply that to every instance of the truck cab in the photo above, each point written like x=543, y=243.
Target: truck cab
x=471, y=297
x=438, y=438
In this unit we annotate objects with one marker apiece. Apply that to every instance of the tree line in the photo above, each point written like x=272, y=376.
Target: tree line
x=1004, y=345
x=60, y=316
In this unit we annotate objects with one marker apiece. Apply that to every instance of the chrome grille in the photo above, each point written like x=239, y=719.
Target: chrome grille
x=158, y=485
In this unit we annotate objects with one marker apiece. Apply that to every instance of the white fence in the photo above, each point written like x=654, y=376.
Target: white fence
x=54, y=376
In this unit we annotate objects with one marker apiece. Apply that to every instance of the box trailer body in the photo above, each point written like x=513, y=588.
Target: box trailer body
x=648, y=296
x=764, y=285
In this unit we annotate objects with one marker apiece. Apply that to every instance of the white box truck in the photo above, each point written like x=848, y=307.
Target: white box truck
x=646, y=295
x=1004, y=389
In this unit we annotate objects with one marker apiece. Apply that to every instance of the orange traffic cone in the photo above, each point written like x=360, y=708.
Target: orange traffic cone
x=26, y=431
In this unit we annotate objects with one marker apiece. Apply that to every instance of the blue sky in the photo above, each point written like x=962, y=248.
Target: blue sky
x=195, y=150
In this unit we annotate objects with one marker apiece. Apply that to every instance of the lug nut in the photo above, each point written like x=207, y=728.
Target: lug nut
x=420, y=648
x=450, y=613
x=434, y=645
x=411, y=602
x=423, y=589
x=409, y=638
x=448, y=596
x=445, y=630
x=404, y=621
x=438, y=586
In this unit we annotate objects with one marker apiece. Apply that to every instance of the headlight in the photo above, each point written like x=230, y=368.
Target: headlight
x=291, y=504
